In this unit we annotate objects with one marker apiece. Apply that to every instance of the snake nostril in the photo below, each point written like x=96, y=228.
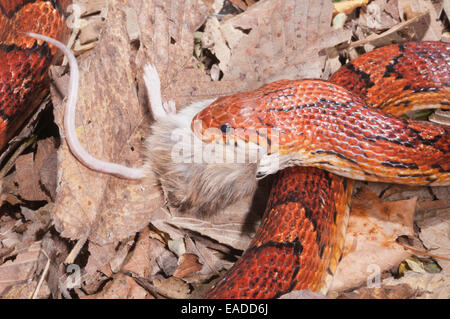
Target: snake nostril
x=225, y=128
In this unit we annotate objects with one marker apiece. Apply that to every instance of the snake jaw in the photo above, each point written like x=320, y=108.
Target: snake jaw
x=268, y=164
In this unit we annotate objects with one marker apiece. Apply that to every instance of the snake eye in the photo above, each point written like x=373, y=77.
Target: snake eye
x=225, y=128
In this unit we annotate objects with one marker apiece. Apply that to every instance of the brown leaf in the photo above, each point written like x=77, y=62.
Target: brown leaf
x=239, y=4
x=26, y=290
x=187, y=265
x=27, y=179
x=376, y=18
x=36, y=175
x=400, y=291
x=427, y=29
x=207, y=255
x=56, y=251
x=303, y=294
x=435, y=235
x=230, y=227
x=167, y=262
x=91, y=284
x=172, y=287
x=426, y=286
x=284, y=41
x=46, y=164
x=121, y=287
x=431, y=208
x=21, y=269
x=400, y=192
x=99, y=257
x=442, y=192
x=139, y=261
x=370, y=243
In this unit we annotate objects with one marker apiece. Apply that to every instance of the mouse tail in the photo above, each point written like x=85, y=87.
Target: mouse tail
x=69, y=122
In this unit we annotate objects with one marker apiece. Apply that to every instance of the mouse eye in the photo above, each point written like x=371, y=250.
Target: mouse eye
x=225, y=128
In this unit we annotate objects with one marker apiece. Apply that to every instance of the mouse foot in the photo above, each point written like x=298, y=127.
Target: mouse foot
x=153, y=85
x=170, y=107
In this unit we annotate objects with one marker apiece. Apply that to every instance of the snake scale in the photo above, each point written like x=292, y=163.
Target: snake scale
x=318, y=123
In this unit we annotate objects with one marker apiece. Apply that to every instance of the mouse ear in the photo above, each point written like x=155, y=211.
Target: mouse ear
x=69, y=122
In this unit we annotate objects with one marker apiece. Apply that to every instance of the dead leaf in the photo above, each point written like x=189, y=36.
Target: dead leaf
x=99, y=258
x=46, y=164
x=27, y=178
x=283, y=41
x=228, y=228
x=25, y=291
x=56, y=251
x=426, y=30
x=187, y=265
x=139, y=261
x=303, y=294
x=167, y=262
x=207, y=255
x=398, y=291
x=241, y=4
x=393, y=35
x=426, y=286
x=21, y=268
x=35, y=176
x=435, y=235
x=172, y=287
x=370, y=243
x=431, y=208
x=121, y=287
x=92, y=284
x=376, y=18
x=400, y=192
x=442, y=192
x=121, y=252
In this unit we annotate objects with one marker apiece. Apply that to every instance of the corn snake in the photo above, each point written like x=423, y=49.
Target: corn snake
x=314, y=180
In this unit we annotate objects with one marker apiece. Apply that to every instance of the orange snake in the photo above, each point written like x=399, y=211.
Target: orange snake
x=316, y=123
x=321, y=124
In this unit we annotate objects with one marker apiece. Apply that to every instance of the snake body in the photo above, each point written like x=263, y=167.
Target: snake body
x=299, y=242
x=24, y=62
x=300, y=239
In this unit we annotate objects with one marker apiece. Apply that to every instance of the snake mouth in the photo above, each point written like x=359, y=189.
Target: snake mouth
x=264, y=140
x=247, y=145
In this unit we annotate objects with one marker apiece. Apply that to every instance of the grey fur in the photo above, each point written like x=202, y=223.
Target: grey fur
x=202, y=188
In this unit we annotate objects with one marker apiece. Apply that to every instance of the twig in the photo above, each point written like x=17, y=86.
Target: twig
x=29, y=141
x=76, y=250
x=44, y=273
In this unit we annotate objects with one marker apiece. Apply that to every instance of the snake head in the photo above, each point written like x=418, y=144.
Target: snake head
x=233, y=119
